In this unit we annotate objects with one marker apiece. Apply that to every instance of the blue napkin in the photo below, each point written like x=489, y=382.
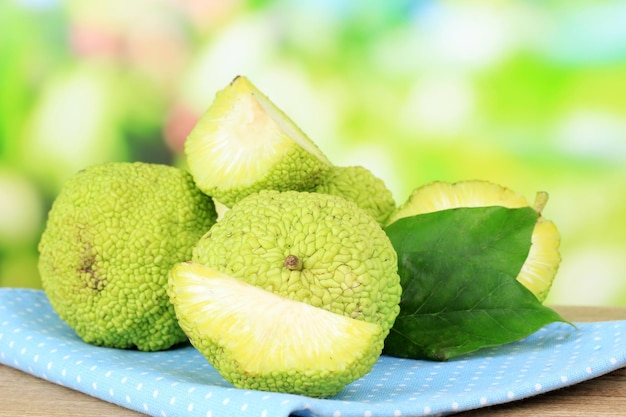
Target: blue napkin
x=181, y=382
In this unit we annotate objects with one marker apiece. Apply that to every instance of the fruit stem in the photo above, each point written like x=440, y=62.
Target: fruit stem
x=540, y=201
x=293, y=263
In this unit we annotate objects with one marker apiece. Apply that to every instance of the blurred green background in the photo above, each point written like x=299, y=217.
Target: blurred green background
x=528, y=94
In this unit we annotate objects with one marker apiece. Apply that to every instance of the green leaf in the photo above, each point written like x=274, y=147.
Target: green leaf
x=458, y=272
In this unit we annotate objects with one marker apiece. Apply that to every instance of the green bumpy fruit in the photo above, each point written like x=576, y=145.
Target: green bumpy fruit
x=260, y=340
x=360, y=185
x=112, y=235
x=315, y=248
x=244, y=143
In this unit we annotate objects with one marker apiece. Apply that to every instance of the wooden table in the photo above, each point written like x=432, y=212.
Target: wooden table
x=24, y=395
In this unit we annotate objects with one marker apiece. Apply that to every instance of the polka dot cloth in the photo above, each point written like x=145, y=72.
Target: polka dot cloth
x=181, y=382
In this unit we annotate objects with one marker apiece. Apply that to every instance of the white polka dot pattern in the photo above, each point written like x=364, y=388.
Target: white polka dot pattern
x=181, y=382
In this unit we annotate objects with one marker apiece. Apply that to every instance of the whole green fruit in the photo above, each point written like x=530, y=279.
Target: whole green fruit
x=112, y=235
x=315, y=248
x=359, y=185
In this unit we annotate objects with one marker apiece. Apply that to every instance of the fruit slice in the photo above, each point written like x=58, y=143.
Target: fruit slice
x=260, y=340
x=244, y=143
x=543, y=259
x=440, y=195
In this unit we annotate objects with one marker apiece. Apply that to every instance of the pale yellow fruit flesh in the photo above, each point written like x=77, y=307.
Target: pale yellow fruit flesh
x=250, y=127
x=541, y=266
x=441, y=195
x=543, y=260
x=244, y=143
x=259, y=340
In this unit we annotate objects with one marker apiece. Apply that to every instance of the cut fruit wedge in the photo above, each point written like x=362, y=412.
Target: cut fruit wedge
x=440, y=195
x=259, y=340
x=542, y=263
x=244, y=143
x=543, y=260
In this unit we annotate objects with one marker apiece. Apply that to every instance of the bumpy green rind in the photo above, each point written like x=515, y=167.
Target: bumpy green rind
x=197, y=317
x=349, y=266
x=112, y=235
x=223, y=156
x=297, y=170
x=360, y=185
x=319, y=384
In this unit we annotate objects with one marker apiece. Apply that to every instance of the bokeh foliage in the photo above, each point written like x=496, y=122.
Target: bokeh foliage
x=526, y=94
